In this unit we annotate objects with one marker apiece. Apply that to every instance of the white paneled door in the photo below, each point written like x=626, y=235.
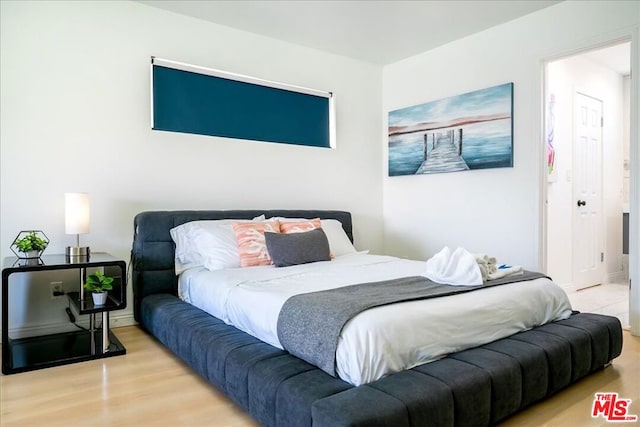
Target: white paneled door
x=587, y=192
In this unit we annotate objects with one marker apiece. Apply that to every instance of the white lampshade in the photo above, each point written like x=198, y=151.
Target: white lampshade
x=76, y=213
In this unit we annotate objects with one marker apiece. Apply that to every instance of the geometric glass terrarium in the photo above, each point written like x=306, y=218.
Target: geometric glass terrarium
x=29, y=244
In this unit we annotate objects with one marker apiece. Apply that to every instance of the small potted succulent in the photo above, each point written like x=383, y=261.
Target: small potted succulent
x=99, y=284
x=30, y=243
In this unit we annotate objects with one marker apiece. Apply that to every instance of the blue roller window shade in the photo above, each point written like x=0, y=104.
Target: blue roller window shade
x=190, y=102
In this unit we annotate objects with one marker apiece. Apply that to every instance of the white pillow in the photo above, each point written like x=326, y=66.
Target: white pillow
x=209, y=243
x=339, y=242
x=180, y=268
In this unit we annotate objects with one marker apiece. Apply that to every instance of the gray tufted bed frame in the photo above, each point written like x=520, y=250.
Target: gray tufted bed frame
x=475, y=387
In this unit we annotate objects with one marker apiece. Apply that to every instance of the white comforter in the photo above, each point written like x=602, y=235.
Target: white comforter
x=381, y=340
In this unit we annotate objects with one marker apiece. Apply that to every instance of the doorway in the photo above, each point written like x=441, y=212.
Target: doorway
x=588, y=138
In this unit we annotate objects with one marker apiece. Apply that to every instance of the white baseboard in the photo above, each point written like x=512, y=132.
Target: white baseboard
x=568, y=287
x=124, y=320
x=617, y=277
x=38, y=330
x=115, y=321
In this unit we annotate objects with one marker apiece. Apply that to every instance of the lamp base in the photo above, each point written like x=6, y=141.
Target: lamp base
x=78, y=253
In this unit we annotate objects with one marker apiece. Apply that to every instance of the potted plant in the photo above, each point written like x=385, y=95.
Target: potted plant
x=99, y=284
x=30, y=243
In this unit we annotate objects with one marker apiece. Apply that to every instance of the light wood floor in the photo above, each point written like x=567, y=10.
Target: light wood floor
x=150, y=387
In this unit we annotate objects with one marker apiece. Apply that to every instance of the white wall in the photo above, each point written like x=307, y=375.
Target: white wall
x=565, y=77
x=74, y=105
x=75, y=117
x=495, y=211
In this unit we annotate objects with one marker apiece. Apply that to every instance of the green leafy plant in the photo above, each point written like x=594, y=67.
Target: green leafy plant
x=30, y=242
x=98, y=282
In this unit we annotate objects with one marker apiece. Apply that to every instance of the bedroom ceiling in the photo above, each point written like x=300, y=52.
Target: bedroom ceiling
x=379, y=32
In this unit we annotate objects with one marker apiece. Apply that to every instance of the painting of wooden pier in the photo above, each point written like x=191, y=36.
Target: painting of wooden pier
x=464, y=132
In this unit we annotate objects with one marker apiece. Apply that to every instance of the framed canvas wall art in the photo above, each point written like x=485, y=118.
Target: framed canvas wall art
x=463, y=132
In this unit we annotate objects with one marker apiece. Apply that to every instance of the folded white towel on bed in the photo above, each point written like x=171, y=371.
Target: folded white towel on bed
x=488, y=265
x=505, y=271
x=458, y=268
x=485, y=259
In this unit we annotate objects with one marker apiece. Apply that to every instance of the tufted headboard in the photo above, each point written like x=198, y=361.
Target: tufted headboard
x=152, y=255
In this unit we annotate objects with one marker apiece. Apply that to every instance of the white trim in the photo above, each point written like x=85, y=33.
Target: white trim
x=543, y=180
x=617, y=277
x=569, y=288
x=120, y=321
x=66, y=326
x=634, y=187
x=237, y=77
x=151, y=90
x=609, y=279
x=40, y=330
x=332, y=122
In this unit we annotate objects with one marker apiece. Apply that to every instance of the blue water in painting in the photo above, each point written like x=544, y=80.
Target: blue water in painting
x=485, y=145
x=406, y=154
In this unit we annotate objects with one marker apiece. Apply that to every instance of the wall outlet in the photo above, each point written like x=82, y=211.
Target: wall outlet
x=57, y=290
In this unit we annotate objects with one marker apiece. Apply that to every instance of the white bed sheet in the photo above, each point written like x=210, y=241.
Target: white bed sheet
x=406, y=334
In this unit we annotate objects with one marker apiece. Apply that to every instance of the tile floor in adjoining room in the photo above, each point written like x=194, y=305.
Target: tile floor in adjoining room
x=610, y=298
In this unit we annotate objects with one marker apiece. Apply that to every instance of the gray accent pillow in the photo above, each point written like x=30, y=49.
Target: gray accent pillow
x=297, y=248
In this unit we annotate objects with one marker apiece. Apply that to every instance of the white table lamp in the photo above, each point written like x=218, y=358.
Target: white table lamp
x=76, y=221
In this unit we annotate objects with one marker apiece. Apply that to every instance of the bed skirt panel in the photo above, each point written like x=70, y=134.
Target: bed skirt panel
x=475, y=387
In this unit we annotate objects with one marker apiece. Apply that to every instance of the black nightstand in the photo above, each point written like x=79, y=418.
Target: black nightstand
x=27, y=354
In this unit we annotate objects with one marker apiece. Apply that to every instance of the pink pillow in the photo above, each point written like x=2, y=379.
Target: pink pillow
x=251, y=244
x=300, y=226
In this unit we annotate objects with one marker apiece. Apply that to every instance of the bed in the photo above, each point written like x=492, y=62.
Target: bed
x=475, y=386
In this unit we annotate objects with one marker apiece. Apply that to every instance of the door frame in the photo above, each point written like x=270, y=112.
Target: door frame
x=632, y=36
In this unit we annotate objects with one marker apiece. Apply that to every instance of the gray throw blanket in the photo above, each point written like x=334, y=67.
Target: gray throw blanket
x=309, y=325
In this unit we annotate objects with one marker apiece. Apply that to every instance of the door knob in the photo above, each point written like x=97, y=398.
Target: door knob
x=582, y=203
